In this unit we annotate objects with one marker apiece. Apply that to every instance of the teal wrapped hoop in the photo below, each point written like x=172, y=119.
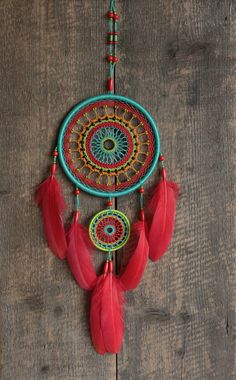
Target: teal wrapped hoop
x=115, y=170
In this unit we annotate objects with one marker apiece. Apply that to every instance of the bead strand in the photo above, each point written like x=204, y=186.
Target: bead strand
x=110, y=203
x=163, y=170
x=77, y=200
x=55, y=155
x=141, y=192
x=115, y=18
x=108, y=256
x=112, y=42
x=162, y=160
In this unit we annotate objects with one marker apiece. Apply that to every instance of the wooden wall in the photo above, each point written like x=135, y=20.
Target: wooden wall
x=177, y=58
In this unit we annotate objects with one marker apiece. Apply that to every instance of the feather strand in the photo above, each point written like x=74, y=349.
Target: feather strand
x=78, y=256
x=133, y=271
x=162, y=208
x=112, y=322
x=106, y=314
x=51, y=203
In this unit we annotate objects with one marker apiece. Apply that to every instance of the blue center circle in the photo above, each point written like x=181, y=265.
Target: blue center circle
x=109, y=230
x=116, y=138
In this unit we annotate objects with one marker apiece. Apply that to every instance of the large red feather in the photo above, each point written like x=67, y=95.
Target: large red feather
x=133, y=271
x=95, y=316
x=112, y=322
x=162, y=208
x=50, y=200
x=78, y=256
x=106, y=313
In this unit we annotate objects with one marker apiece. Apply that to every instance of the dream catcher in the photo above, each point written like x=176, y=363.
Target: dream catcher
x=108, y=146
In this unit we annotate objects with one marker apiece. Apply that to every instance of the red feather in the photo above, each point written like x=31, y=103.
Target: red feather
x=50, y=200
x=162, y=208
x=95, y=316
x=78, y=256
x=106, y=314
x=133, y=272
x=112, y=323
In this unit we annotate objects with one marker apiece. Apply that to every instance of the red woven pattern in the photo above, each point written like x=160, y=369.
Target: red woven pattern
x=104, y=236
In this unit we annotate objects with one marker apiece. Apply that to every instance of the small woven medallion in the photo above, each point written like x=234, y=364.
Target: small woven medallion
x=109, y=230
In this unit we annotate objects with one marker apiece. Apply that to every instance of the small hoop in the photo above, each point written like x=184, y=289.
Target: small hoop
x=109, y=230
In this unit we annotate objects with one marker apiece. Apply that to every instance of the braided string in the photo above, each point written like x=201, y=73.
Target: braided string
x=112, y=41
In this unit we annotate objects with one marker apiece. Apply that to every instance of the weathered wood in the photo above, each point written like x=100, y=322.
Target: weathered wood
x=177, y=59
x=52, y=57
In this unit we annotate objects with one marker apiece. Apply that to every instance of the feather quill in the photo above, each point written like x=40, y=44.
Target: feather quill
x=136, y=265
x=78, y=255
x=51, y=203
x=162, y=208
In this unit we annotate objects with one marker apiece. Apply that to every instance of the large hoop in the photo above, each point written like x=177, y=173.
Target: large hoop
x=108, y=145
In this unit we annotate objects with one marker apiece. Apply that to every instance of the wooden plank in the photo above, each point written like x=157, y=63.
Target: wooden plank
x=52, y=57
x=178, y=60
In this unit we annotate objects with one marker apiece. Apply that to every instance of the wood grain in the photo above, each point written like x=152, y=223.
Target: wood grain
x=52, y=57
x=177, y=58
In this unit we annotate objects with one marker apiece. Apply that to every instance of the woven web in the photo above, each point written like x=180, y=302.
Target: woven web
x=109, y=146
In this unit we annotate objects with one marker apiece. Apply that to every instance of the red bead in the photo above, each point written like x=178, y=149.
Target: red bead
x=141, y=190
x=161, y=158
x=76, y=192
x=109, y=203
x=110, y=14
x=109, y=84
x=115, y=59
x=110, y=58
x=55, y=153
x=116, y=17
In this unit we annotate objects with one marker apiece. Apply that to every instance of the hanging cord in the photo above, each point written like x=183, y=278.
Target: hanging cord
x=112, y=41
x=112, y=60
